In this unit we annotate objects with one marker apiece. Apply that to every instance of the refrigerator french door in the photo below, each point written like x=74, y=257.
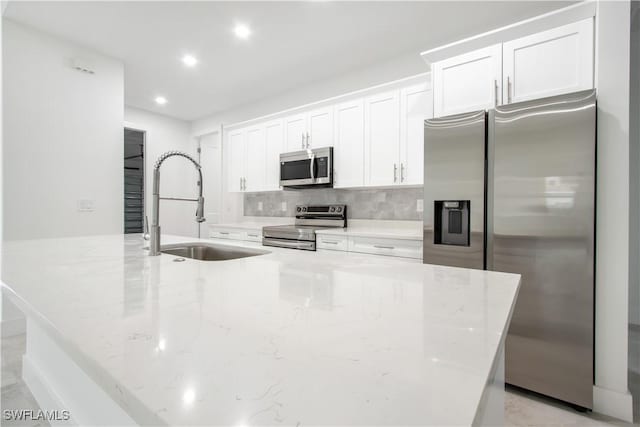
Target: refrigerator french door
x=540, y=222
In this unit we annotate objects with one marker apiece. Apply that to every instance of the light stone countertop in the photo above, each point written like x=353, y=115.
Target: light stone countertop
x=287, y=338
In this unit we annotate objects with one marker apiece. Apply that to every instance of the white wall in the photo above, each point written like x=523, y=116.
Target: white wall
x=63, y=139
x=634, y=166
x=611, y=394
x=398, y=68
x=178, y=176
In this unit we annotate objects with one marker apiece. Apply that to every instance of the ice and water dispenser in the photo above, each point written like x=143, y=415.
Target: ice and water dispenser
x=451, y=222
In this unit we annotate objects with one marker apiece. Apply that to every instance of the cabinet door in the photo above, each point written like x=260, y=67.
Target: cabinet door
x=348, y=158
x=320, y=128
x=274, y=138
x=295, y=128
x=549, y=63
x=382, y=139
x=255, y=160
x=235, y=159
x=467, y=82
x=415, y=106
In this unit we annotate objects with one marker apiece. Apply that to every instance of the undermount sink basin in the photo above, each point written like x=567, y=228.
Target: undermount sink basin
x=210, y=251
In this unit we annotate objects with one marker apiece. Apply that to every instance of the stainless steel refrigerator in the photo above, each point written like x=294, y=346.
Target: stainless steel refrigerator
x=513, y=189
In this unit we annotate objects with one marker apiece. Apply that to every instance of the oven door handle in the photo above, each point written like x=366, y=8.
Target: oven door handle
x=311, y=166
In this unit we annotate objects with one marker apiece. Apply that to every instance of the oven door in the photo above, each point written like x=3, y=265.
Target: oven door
x=308, y=168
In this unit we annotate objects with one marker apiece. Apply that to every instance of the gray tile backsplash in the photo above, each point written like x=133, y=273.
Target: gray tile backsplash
x=384, y=204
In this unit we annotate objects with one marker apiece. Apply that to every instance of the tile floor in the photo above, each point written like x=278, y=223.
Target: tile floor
x=521, y=408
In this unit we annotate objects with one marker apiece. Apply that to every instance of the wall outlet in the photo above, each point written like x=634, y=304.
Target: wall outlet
x=260, y=206
x=86, y=205
x=283, y=206
x=420, y=205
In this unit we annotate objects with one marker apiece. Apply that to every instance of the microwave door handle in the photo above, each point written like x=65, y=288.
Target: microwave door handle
x=311, y=167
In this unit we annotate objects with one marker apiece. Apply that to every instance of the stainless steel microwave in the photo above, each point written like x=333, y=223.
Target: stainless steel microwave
x=307, y=168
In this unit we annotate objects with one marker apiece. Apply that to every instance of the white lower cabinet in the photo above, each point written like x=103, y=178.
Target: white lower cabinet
x=336, y=243
x=231, y=233
x=390, y=247
x=253, y=235
x=371, y=245
x=227, y=234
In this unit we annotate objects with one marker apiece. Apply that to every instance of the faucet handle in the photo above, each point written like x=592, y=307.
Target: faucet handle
x=146, y=235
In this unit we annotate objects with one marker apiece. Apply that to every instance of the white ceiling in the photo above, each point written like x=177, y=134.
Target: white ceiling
x=293, y=43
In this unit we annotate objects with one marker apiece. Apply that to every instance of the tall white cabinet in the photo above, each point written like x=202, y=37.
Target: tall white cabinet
x=415, y=106
x=552, y=62
x=348, y=151
x=274, y=142
x=382, y=139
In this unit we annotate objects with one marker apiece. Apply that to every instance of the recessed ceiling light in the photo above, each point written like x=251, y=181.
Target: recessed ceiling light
x=242, y=31
x=161, y=100
x=190, y=60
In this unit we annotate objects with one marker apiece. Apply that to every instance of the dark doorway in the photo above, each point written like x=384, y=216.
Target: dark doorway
x=133, y=181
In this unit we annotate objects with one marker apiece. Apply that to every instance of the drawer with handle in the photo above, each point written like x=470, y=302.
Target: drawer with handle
x=253, y=235
x=220, y=233
x=336, y=243
x=390, y=247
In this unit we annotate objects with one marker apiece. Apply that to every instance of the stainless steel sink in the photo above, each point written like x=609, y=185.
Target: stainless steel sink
x=210, y=251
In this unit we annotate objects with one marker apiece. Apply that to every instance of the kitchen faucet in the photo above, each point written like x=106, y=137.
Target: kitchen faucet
x=154, y=246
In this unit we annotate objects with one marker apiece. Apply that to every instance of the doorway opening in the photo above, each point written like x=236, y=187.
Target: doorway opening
x=134, y=221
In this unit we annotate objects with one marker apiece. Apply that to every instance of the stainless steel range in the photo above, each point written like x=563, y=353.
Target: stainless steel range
x=302, y=234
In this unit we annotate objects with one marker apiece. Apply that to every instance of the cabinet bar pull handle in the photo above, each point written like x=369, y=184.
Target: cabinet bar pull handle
x=401, y=172
x=240, y=183
x=302, y=140
x=509, y=89
x=308, y=136
x=331, y=242
x=395, y=172
x=383, y=247
x=223, y=232
x=495, y=85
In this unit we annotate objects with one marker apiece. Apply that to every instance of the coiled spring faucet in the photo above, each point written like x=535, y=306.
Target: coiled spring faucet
x=154, y=246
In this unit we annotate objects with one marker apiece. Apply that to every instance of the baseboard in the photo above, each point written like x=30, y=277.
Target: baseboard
x=13, y=327
x=42, y=391
x=613, y=403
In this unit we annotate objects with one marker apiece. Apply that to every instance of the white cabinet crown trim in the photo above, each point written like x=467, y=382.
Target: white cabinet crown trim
x=523, y=28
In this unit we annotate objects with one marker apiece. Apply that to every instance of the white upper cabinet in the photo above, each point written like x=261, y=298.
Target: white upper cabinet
x=467, y=82
x=235, y=147
x=382, y=139
x=552, y=62
x=274, y=141
x=320, y=128
x=348, y=152
x=549, y=63
x=416, y=105
x=295, y=128
x=254, y=176
x=313, y=129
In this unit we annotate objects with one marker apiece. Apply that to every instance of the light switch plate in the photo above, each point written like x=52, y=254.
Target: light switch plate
x=260, y=206
x=283, y=206
x=420, y=205
x=85, y=205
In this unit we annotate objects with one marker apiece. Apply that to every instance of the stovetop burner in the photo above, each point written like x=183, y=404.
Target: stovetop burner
x=309, y=219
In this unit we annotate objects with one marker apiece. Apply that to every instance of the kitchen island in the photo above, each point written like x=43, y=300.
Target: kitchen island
x=286, y=338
